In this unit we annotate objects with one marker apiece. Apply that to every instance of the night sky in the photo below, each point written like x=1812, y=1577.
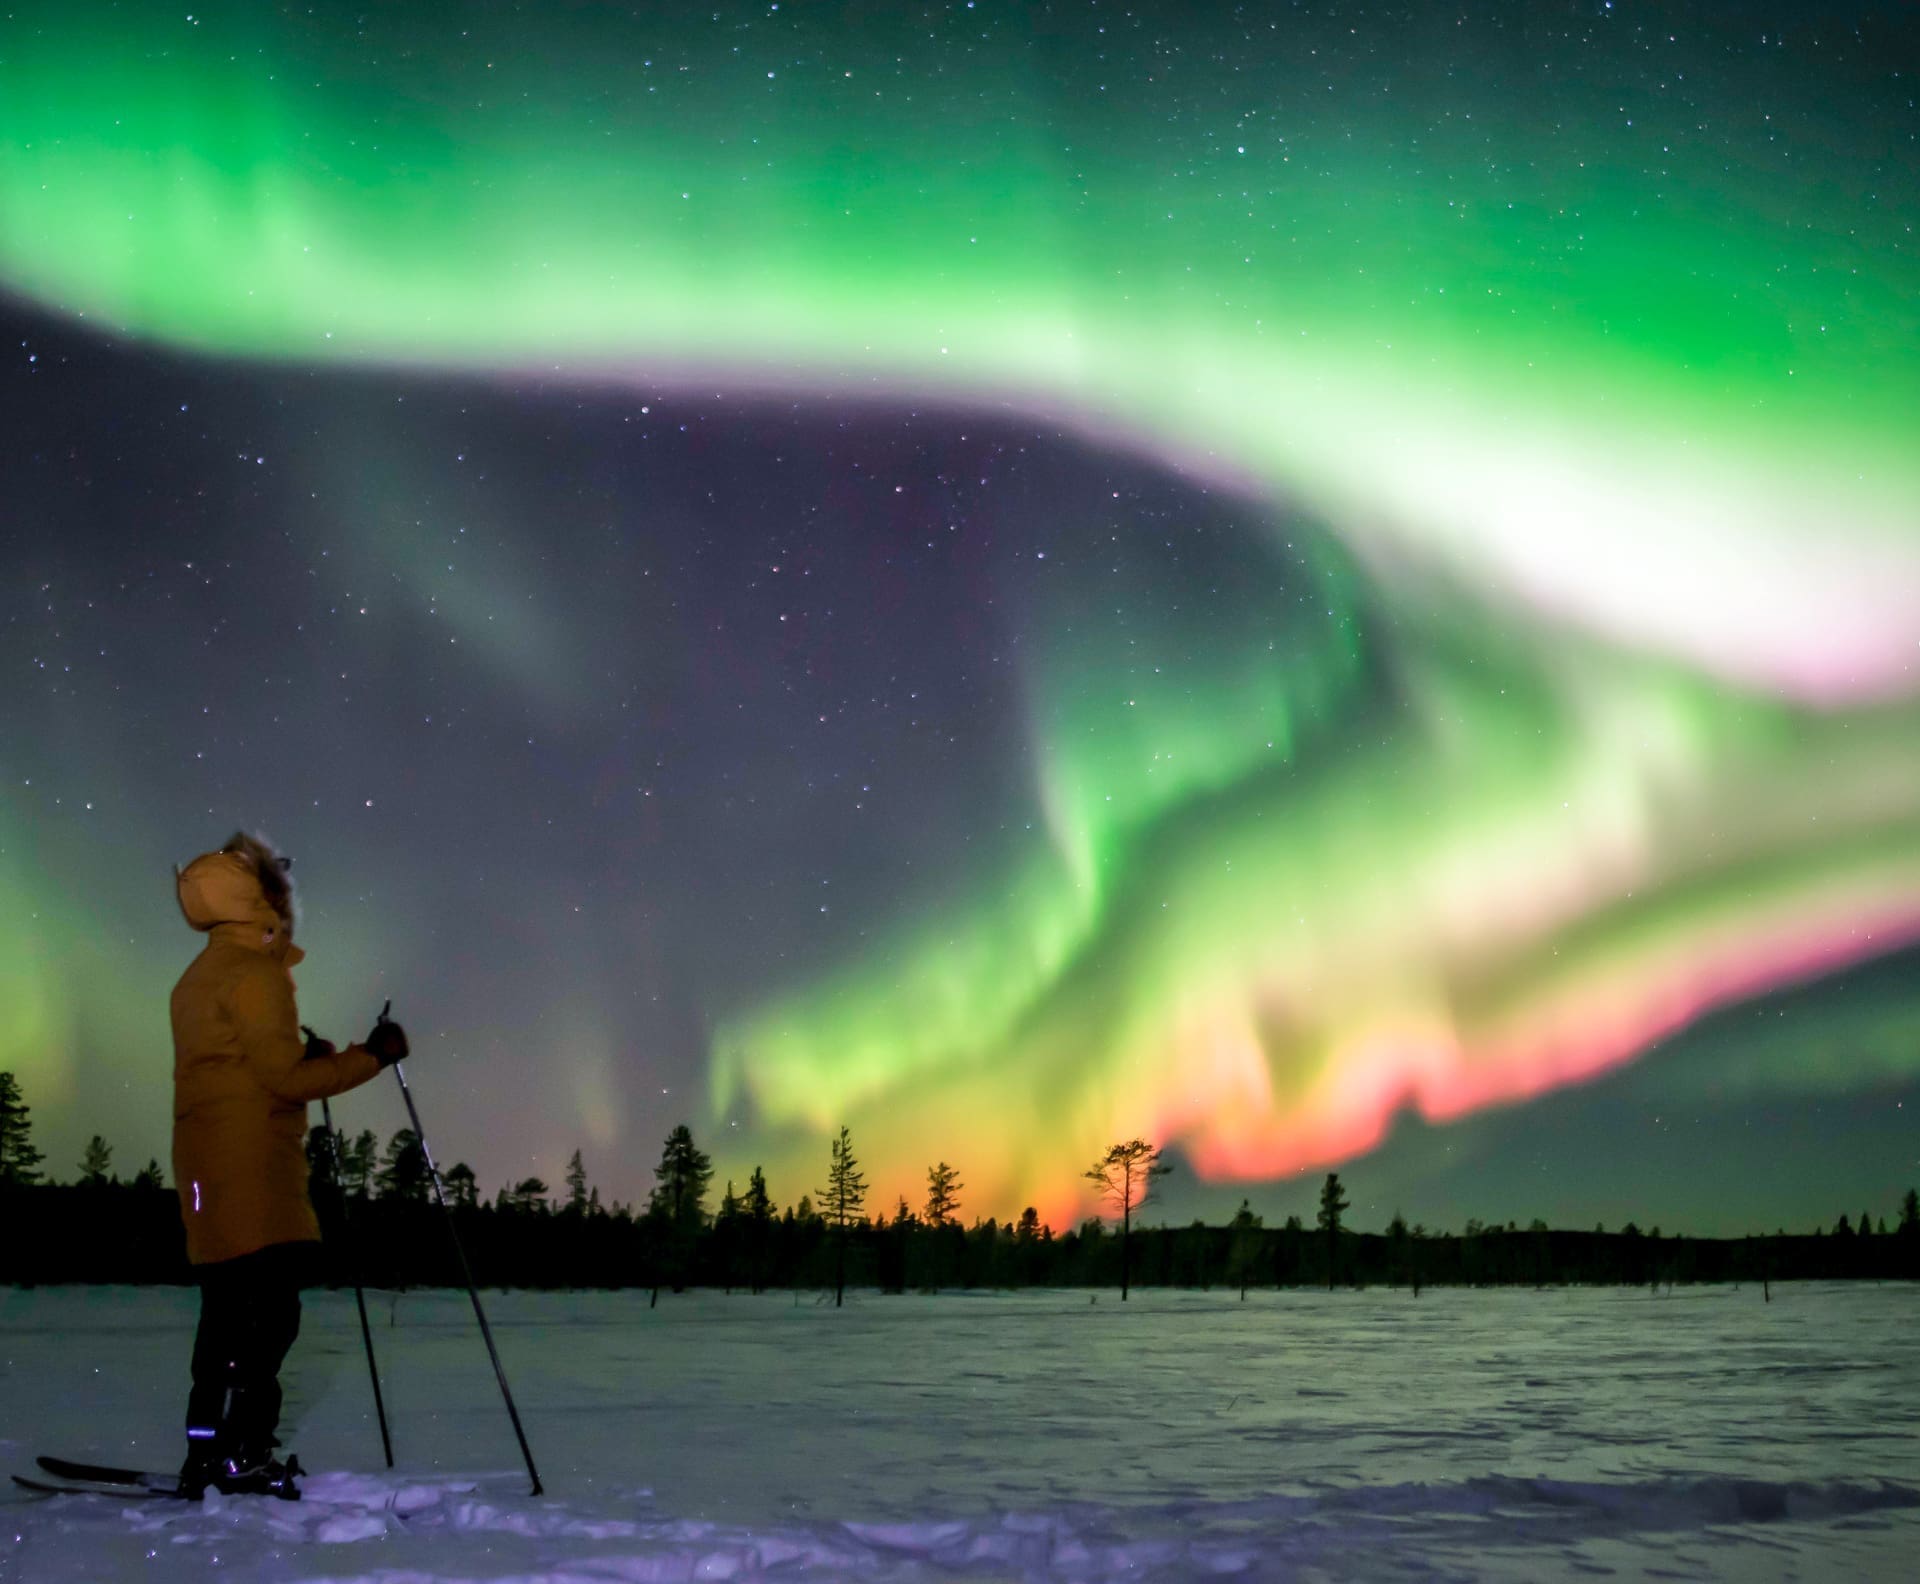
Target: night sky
x=1334, y=587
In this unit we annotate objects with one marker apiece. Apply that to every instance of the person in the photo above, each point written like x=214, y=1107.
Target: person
x=242, y=1078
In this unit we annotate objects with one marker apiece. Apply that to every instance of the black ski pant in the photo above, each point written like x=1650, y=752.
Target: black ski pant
x=249, y=1317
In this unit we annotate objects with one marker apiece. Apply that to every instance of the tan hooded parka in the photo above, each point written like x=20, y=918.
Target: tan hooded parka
x=241, y=1077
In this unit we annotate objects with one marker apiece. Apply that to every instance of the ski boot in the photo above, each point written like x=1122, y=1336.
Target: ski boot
x=257, y=1472
x=202, y=1467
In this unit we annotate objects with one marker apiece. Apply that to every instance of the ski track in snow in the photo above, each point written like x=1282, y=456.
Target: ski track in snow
x=1499, y=1435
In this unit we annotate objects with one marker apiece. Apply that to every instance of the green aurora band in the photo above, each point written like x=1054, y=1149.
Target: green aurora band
x=1597, y=346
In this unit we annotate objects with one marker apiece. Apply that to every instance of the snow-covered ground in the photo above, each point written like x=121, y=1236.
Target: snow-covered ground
x=1511, y=1435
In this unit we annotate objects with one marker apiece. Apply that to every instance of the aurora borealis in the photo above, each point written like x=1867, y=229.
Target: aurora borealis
x=1030, y=573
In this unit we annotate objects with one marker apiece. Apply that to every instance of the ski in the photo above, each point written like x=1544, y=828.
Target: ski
x=114, y=1488
x=101, y=1478
x=102, y=1474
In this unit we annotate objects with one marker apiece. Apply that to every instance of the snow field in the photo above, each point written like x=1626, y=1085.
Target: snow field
x=1501, y=1434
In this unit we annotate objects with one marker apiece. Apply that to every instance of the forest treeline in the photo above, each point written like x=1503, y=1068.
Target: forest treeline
x=384, y=1230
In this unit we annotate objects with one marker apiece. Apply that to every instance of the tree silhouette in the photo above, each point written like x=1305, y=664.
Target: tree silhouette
x=323, y=1169
x=462, y=1190
x=528, y=1196
x=1243, y=1251
x=577, y=1185
x=1333, y=1205
x=680, y=1182
x=943, y=1194
x=676, y=1209
x=727, y=1224
x=1910, y=1214
x=150, y=1175
x=758, y=1209
x=1125, y=1176
x=403, y=1173
x=19, y=1160
x=96, y=1164
x=357, y=1164
x=841, y=1202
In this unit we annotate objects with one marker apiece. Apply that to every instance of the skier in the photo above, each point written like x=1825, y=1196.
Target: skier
x=242, y=1077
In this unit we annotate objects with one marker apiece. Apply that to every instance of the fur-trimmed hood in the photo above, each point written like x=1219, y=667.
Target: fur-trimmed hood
x=222, y=891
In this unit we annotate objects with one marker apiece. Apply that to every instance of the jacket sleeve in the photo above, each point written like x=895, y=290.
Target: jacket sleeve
x=269, y=1029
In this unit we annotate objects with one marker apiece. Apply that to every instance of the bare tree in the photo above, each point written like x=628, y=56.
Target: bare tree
x=1124, y=1176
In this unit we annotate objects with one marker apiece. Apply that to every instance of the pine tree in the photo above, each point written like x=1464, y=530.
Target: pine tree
x=680, y=1183
x=462, y=1190
x=1910, y=1214
x=577, y=1185
x=1333, y=1205
x=150, y=1175
x=19, y=1160
x=676, y=1209
x=403, y=1173
x=943, y=1194
x=1124, y=1177
x=529, y=1196
x=841, y=1203
x=96, y=1163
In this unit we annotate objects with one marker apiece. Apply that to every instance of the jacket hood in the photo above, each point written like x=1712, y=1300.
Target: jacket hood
x=224, y=888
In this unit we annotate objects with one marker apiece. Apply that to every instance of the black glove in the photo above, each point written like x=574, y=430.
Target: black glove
x=388, y=1041
x=316, y=1046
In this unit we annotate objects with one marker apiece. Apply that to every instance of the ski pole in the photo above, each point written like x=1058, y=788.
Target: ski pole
x=359, y=1292
x=466, y=1271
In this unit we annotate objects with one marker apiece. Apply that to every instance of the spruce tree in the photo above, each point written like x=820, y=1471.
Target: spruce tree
x=19, y=1160
x=577, y=1185
x=759, y=1214
x=1333, y=1204
x=841, y=1202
